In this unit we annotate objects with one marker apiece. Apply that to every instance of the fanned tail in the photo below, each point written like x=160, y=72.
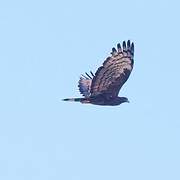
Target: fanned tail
x=73, y=99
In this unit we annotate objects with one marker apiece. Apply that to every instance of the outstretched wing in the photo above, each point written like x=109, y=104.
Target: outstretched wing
x=85, y=84
x=115, y=71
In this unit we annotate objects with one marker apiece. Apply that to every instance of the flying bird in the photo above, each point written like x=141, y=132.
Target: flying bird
x=102, y=88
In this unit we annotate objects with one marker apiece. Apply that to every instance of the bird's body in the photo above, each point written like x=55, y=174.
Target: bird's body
x=103, y=87
x=100, y=100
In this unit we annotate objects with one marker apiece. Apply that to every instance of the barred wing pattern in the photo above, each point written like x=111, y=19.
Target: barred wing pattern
x=114, y=72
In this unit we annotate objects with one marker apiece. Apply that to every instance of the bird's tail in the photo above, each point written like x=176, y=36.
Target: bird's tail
x=74, y=99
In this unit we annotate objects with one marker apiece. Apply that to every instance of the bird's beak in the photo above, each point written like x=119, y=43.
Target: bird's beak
x=128, y=101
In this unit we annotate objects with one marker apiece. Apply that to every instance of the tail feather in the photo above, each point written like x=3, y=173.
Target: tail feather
x=73, y=99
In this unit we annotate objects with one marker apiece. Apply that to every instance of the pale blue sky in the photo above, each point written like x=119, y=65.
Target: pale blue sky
x=45, y=46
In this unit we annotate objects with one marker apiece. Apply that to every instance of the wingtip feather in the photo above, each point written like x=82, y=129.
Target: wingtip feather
x=124, y=45
x=128, y=44
x=113, y=51
x=132, y=48
x=119, y=47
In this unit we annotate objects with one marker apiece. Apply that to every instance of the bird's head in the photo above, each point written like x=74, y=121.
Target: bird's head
x=120, y=100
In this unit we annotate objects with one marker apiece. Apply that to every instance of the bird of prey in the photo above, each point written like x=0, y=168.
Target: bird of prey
x=102, y=88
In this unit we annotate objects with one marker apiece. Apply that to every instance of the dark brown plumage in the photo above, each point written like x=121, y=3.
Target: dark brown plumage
x=103, y=87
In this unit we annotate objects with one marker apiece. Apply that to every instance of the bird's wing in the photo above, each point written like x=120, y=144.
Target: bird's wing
x=110, y=77
x=85, y=84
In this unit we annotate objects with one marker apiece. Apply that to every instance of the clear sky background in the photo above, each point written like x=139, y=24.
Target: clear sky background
x=44, y=47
